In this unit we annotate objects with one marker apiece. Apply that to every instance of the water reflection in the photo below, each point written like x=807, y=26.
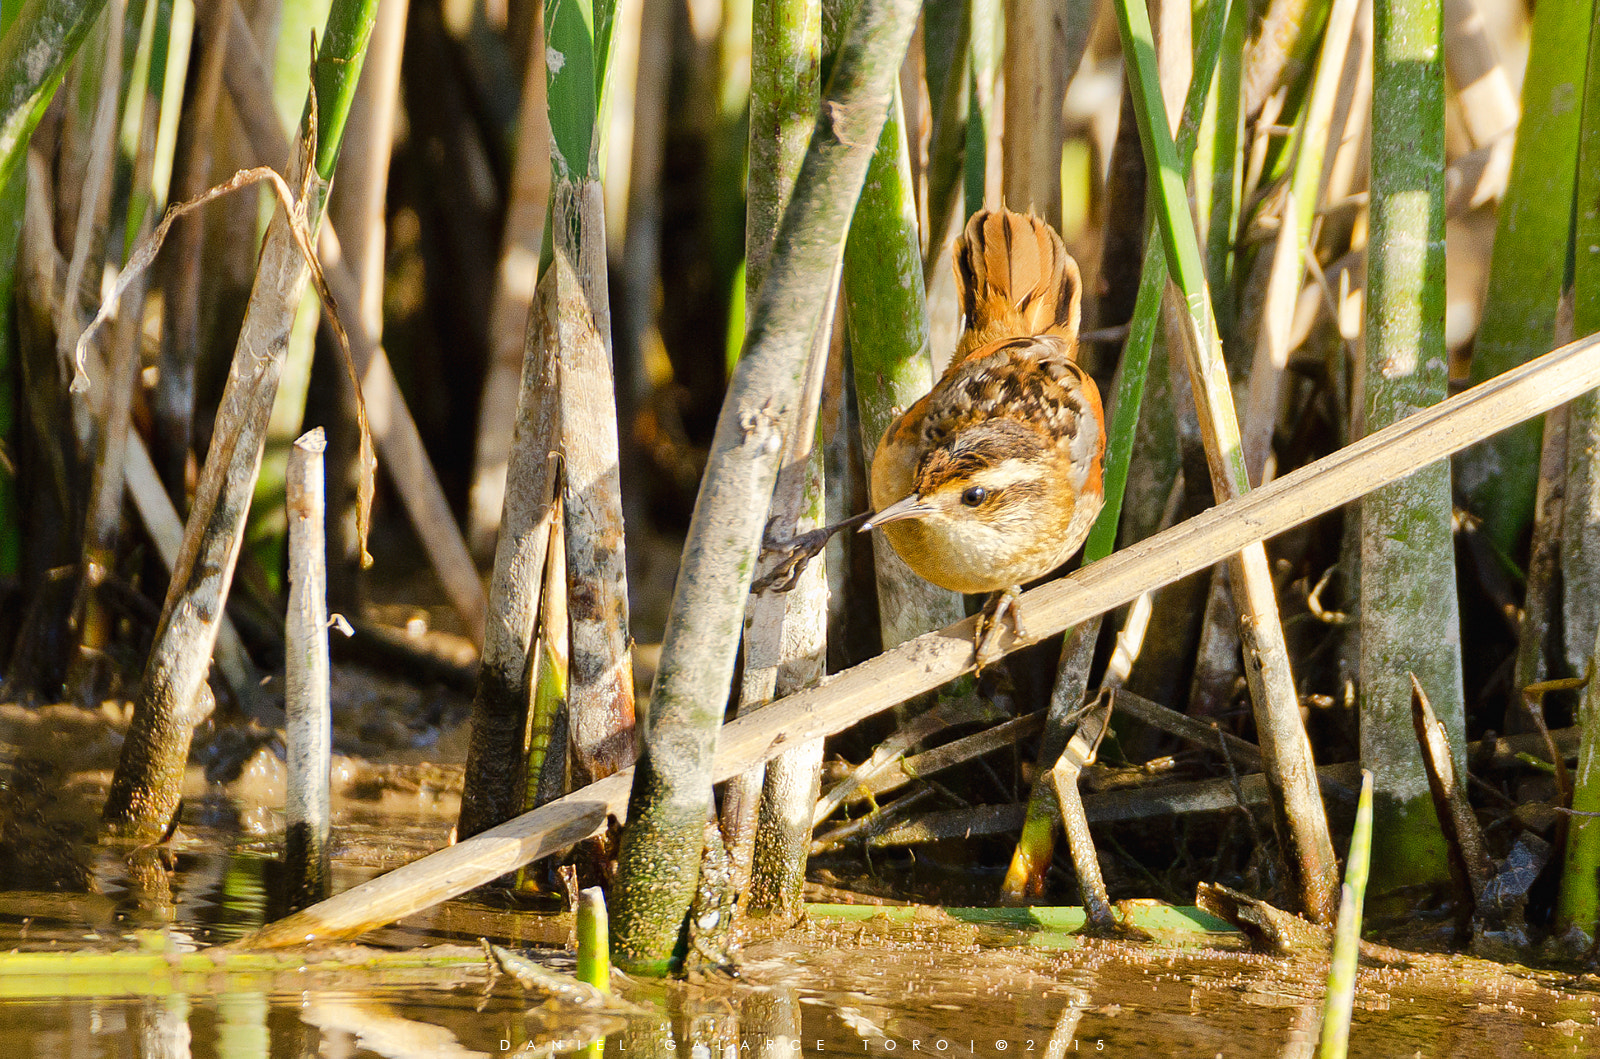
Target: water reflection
x=923, y=987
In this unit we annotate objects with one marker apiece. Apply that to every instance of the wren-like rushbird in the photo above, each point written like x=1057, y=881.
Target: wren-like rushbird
x=993, y=479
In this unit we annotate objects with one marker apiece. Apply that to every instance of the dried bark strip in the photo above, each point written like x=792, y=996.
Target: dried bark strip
x=936, y=658
x=600, y=687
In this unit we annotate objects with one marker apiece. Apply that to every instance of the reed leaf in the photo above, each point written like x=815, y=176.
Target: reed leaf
x=1528, y=264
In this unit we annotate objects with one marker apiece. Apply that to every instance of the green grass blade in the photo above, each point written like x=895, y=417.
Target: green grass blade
x=1339, y=1003
x=1128, y=387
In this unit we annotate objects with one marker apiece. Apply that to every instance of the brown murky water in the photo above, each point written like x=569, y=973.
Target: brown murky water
x=921, y=985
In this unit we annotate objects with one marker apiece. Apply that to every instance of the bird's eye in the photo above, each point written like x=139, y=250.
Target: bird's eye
x=974, y=496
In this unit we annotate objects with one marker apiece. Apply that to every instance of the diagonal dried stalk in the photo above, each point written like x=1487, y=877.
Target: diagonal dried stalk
x=925, y=663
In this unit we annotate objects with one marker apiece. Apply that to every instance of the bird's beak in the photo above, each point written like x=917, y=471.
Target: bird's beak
x=912, y=506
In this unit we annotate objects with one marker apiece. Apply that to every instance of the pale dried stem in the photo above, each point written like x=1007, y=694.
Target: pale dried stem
x=956, y=752
x=938, y=657
x=1298, y=813
x=1036, y=70
x=309, y=731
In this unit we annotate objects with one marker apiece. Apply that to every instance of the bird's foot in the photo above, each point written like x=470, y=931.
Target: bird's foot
x=992, y=618
x=795, y=553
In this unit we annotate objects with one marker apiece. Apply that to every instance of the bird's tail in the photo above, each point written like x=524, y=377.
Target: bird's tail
x=1015, y=280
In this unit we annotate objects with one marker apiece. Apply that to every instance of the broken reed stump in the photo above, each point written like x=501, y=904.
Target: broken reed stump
x=145, y=790
x=309, y=730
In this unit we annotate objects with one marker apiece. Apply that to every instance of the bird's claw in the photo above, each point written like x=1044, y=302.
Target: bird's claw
x=795, y=553
x=991, y=621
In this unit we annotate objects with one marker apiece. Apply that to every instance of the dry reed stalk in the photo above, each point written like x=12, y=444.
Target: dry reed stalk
x=1036, y=72
x=1381, y=457
x=1298, y=814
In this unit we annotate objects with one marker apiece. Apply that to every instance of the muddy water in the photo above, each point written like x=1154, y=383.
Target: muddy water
x=923, y=984
x=928, y=986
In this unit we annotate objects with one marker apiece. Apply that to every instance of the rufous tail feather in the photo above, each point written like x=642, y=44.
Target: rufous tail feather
x=1014, y=279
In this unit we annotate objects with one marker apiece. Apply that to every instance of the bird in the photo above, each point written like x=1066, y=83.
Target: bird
x=993, y=479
